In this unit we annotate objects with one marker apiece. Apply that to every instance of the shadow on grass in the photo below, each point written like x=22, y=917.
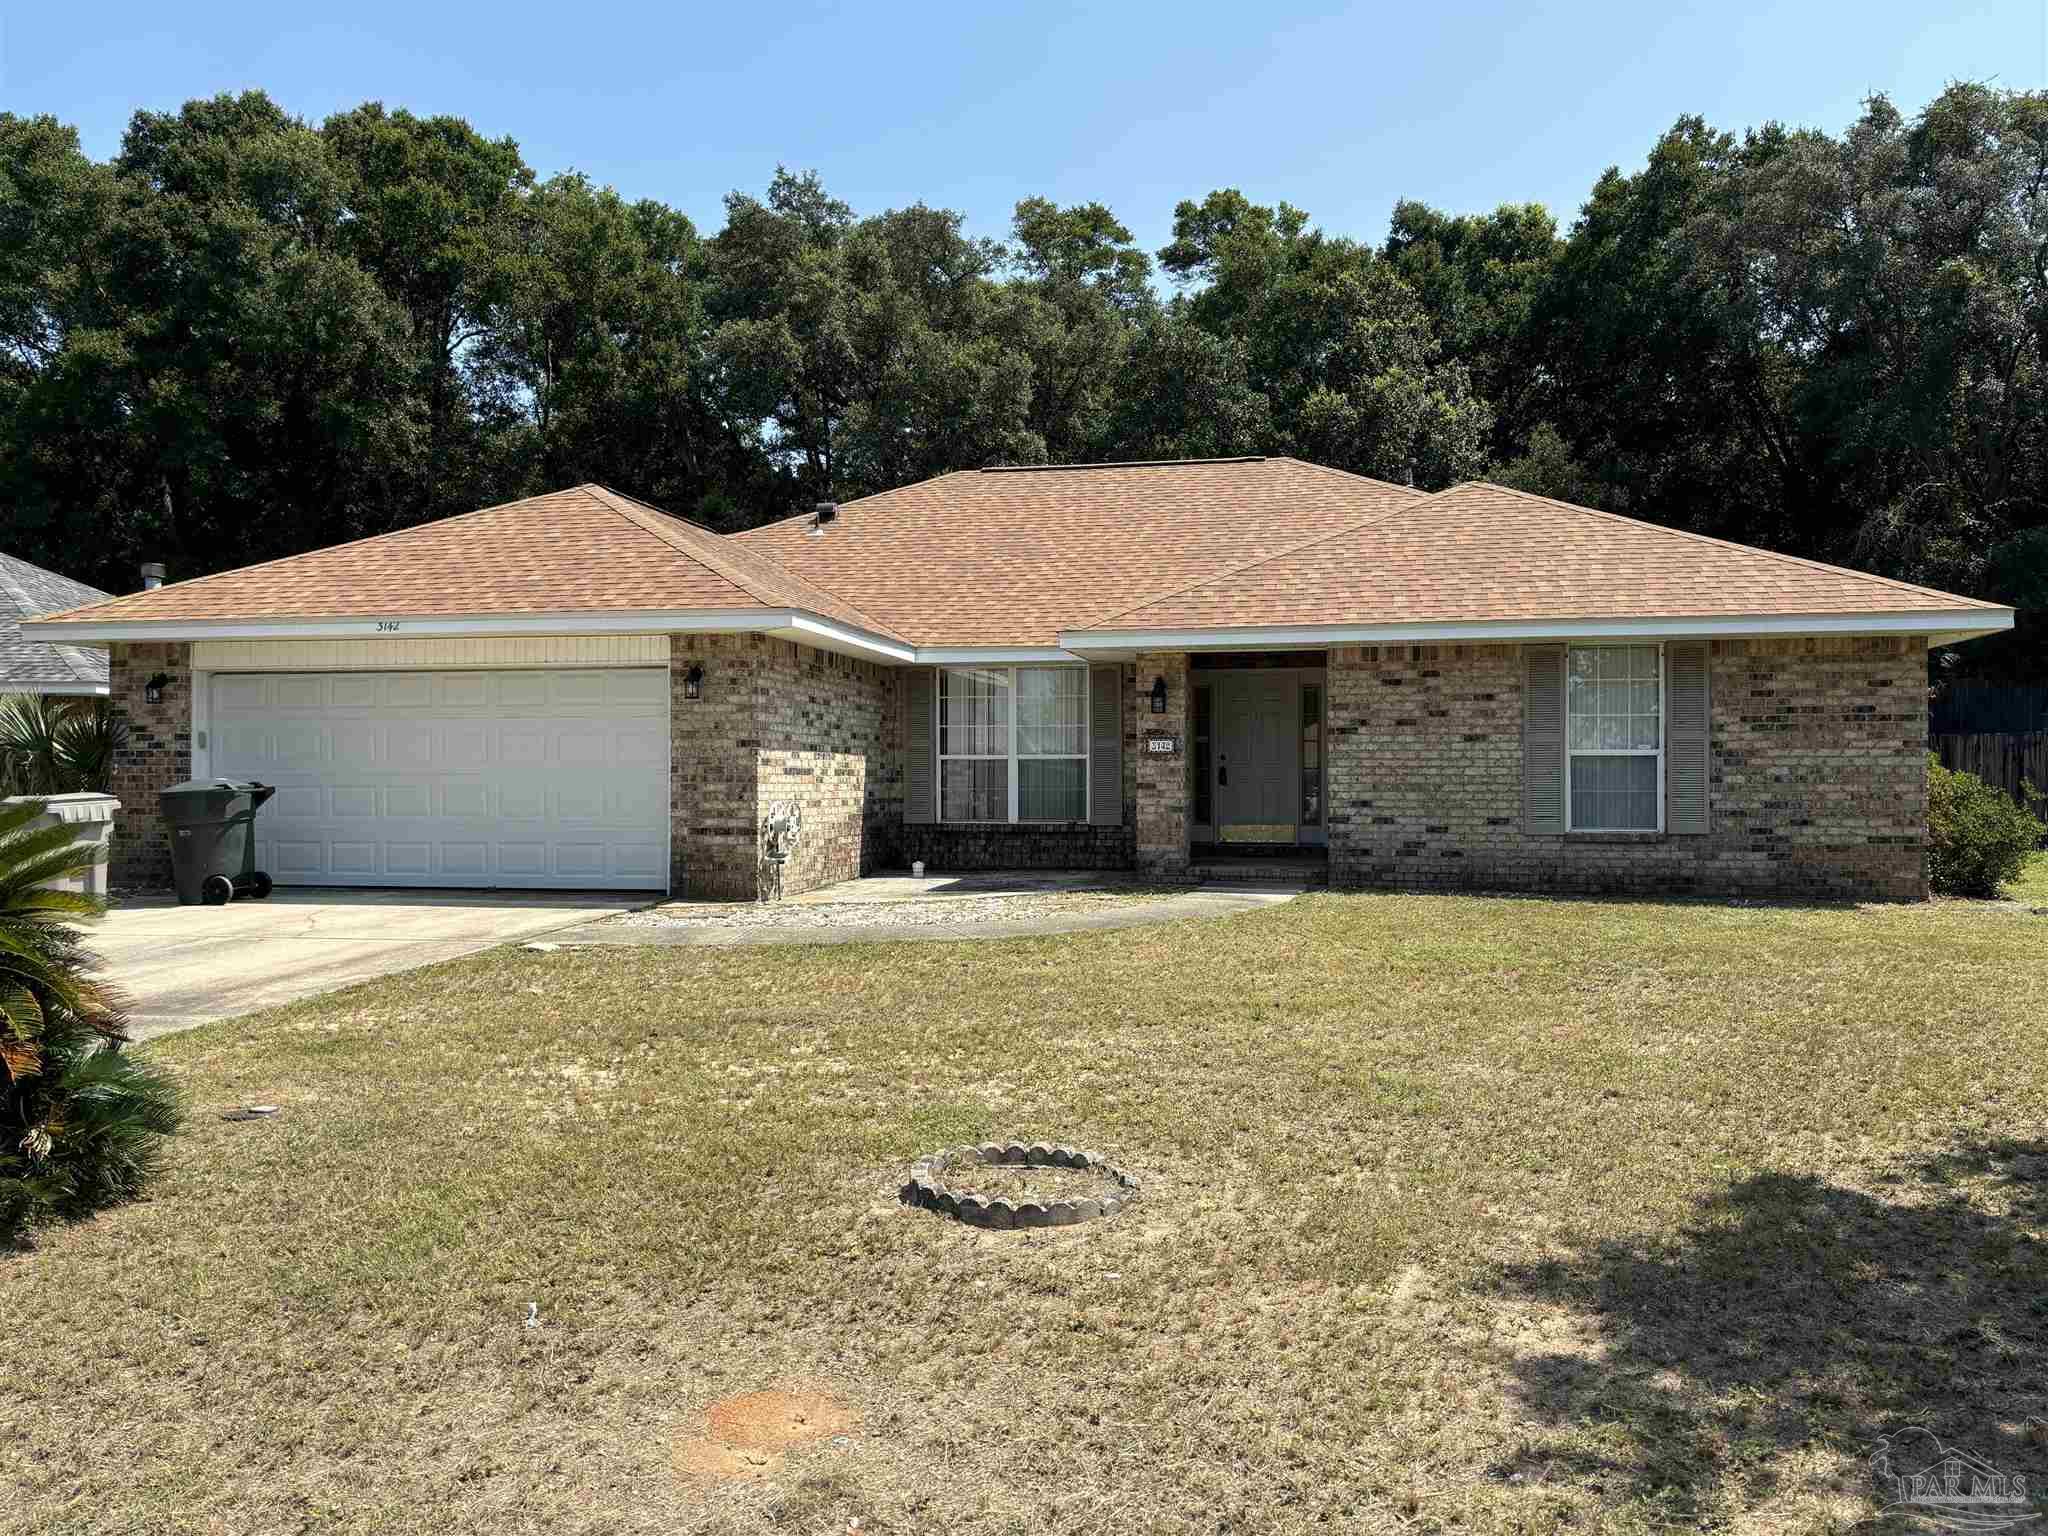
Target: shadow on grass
x=1794, y=1318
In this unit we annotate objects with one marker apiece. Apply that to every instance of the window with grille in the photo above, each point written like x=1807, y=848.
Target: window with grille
x=1013, y=744
x=1614, y=738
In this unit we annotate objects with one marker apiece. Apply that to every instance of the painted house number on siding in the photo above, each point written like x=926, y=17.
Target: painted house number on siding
x=388, y=626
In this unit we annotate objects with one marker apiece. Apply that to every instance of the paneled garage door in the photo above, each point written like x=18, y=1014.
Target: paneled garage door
x=553, y=779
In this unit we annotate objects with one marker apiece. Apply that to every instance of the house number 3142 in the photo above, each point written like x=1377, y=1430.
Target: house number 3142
x=388, y=626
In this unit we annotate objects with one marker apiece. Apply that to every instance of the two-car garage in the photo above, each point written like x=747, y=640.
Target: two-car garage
x=528, y=777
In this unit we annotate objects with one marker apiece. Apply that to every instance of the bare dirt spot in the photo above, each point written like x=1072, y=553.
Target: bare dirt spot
x=745, y=1436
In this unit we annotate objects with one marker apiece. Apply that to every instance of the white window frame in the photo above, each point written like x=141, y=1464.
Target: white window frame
x=1014, y=757
x=1663, y=738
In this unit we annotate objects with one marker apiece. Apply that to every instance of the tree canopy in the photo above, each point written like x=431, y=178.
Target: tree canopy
x=246, y=335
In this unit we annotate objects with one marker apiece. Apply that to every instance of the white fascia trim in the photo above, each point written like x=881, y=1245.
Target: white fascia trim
x=62, y=690
x=991, y=655
x=640, y=621
x=1942, y=627
x=825, y=632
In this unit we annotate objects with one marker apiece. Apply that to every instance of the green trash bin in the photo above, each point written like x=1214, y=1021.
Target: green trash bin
x=213, y=839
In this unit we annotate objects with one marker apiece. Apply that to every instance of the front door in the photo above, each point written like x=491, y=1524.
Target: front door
x=1256, y=789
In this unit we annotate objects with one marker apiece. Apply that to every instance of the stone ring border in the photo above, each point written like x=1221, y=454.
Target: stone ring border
x=927, y=1188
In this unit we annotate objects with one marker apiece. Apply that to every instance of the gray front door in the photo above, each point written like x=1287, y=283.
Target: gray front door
x=1256, y=742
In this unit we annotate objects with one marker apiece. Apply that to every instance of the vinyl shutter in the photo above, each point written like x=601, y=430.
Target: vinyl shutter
x=920, y=750
x=1105, y=746
x=1685, y=737
x=1543, y=740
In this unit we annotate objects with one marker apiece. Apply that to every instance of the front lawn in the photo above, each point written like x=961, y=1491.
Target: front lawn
x=2032, y=885
x=1459, y=1214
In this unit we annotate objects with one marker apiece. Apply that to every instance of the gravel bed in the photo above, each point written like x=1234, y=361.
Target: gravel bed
x=881, y=914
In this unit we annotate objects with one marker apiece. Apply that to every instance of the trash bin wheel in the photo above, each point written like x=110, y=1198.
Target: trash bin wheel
x=217, y=891
x=261, y=885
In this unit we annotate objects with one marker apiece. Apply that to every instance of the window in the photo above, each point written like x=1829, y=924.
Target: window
x=1013, y=744
x=1205, y=807
x=1311, y=755
x=1614, y=735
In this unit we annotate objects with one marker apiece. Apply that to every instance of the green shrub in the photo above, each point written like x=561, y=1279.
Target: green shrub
x=1977, y=837
x=82, y=1122
x=57, y=746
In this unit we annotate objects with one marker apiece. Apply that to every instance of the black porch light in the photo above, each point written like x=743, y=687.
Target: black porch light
x=153, y=690
x=693, y=682
x=1159, y=695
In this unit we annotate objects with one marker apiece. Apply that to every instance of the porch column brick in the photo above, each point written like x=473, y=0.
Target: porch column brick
x=158, y=754
x=1162, y=789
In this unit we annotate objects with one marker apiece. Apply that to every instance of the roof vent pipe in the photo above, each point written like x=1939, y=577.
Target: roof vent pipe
x=152, y=575
x=821, y=514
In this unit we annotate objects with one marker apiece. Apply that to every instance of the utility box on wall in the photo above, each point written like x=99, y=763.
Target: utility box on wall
x=91, y=819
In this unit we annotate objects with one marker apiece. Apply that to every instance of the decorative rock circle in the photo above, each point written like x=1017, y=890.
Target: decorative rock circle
x=929, y=1187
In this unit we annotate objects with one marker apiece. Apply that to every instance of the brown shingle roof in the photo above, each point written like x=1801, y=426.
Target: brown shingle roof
x=1010, y=557
x=1480, y=552
x=581, y=550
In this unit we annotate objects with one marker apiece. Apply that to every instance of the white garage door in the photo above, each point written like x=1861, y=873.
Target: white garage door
x=533, y=779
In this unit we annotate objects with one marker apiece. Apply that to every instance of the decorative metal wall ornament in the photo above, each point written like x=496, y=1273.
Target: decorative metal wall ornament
x=781, y=830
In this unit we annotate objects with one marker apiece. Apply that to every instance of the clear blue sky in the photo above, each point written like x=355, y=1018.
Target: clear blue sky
x=1340, y=110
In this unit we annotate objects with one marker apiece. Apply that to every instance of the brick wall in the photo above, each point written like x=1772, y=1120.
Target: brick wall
x=779, y=722
x=1162, y=778
x=158, y=754
x=827, y=725
x=714, y=775
x=1818, y=779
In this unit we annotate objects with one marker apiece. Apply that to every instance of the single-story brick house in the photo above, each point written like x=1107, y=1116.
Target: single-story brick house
x=1106, y=666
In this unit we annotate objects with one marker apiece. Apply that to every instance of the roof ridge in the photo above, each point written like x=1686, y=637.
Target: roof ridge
x=717, y=560
x=80, y=660
x=1748, y=549
x=1352, y=474
x=1026, y=469
x=15, y=590
x=1421, y=497
x=635, y=512
x=325, y=549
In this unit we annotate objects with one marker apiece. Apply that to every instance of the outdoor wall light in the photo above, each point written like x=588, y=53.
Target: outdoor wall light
x=153, y=690
x=1159, y=695
x=693, y=683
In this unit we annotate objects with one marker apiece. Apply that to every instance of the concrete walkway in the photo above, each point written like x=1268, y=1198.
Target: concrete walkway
x=898, y=909
x=184, y=966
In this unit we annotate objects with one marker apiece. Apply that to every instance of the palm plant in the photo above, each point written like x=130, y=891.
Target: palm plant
x=81, y=1122
x=57, y=746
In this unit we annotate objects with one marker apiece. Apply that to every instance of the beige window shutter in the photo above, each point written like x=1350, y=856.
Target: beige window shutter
x=1686, y=731
x=1543, y=809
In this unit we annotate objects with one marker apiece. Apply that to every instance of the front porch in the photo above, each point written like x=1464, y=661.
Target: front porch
x=1233, y=765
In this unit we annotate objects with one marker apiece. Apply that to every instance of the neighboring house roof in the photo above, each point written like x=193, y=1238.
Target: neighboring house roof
x=42, y=666
x=1091, y=559
x=1485, y=554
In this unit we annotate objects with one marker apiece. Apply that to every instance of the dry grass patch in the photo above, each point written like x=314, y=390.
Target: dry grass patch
x=1459, y=1214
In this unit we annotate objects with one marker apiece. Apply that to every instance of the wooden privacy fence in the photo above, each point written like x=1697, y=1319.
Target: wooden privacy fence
x=2003, y=758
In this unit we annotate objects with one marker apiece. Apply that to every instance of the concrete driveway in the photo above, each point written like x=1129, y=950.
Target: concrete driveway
x=183, y=966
